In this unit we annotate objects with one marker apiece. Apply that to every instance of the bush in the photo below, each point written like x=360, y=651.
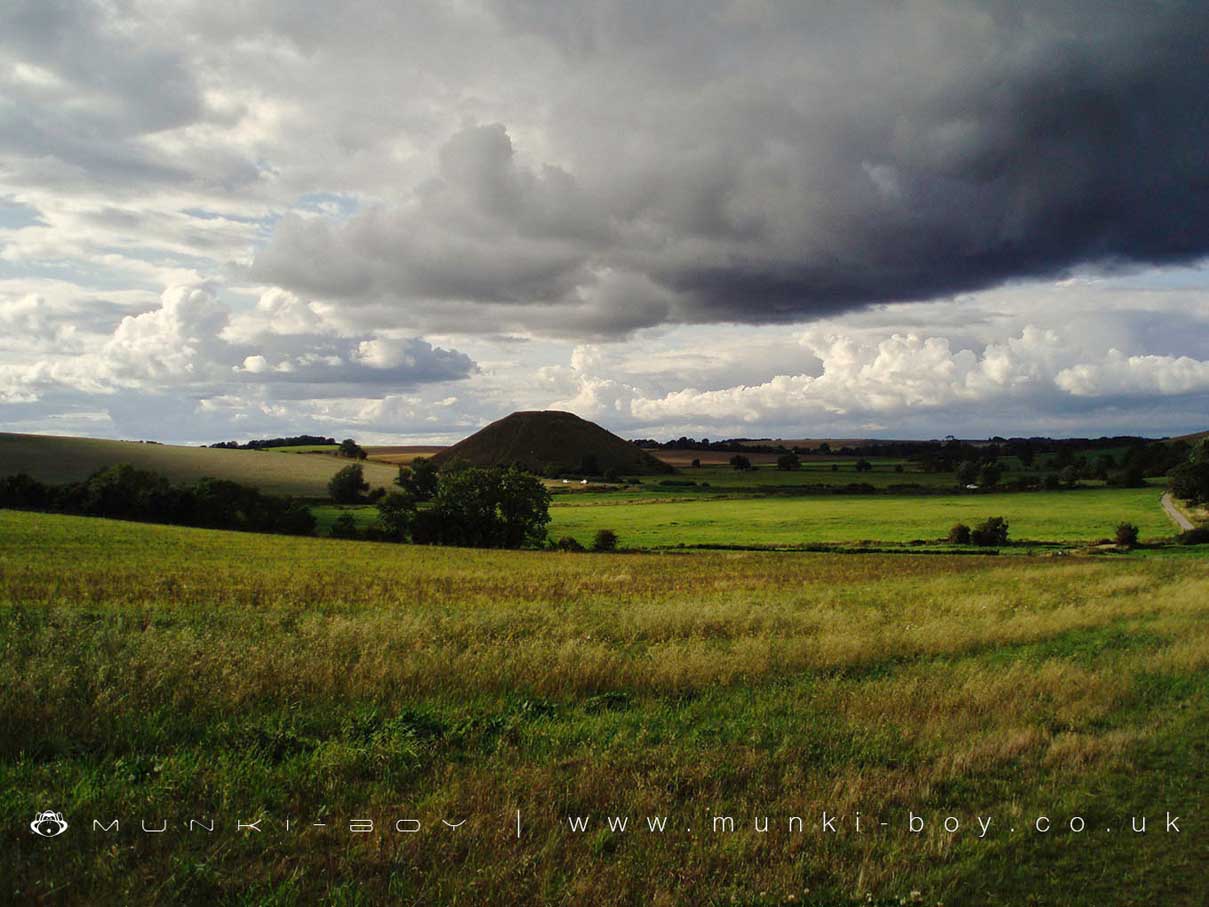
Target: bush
x=612, y=475
x=568, y=543
x=1052, y=482
x=789, y=461
x=1130, y=477
x=1126, y=535
x=604, y=540
x=23, y=492
x=1190, y=481
x=345, y=527
x=347, y=486
x=741, y=463
x=991, y=531
x=1198, y=536
x=959, y=534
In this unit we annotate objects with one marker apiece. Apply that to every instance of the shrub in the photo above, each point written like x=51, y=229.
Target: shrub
x=345, y=527
x=604, y=540
x=612, y=475
x=788, y=461
x=1052, y=482
x=740, y=462
x=23, y=491
x=959, y=534
x=1198, y=536
x=568, y=543
x=1126, y=534
x=1130, y=477
x=1190, y=481
x=991, y=531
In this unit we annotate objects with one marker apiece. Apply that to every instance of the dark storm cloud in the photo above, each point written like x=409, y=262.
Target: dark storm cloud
x=768, y=162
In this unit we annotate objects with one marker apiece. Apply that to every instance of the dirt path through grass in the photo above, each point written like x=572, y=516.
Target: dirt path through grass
x=1172, y=511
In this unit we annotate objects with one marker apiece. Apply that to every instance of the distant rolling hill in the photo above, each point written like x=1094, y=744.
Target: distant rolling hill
x=551, y=439
x=1195, y=438
x=58, y=459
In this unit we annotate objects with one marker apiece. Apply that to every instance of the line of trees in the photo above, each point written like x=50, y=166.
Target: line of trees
x=125, y=493
x=266, y=443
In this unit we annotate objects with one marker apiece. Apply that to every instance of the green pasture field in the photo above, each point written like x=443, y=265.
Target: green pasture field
x=58, y=460
x=155, y=673
x=1079, y=516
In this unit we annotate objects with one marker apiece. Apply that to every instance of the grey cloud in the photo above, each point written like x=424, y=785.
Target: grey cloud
x=483, y=229
x=803, y=160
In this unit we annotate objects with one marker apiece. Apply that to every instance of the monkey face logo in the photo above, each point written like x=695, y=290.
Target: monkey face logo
x=48, y=824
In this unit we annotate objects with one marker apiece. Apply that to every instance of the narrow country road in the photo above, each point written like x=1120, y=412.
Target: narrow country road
x=1172, y=511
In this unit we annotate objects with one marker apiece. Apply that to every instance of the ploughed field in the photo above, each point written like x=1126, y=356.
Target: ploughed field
x=158, y=673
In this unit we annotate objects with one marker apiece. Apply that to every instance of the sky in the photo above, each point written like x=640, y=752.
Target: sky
x=398, y=222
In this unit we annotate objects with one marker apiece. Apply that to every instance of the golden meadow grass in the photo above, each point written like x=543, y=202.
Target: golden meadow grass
x=144, y=666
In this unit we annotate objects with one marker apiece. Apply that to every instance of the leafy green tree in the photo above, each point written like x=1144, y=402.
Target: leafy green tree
x=347, y=485
x=486, y=508
x=741, y=463
x=1069, y=476
x=523, y=507
x=863, y=465
x=1190, y=481
x=351, y=449
x=419, y=479
x=967, y=472
x=397, y=514
x=789, y=461
x=989, y=474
